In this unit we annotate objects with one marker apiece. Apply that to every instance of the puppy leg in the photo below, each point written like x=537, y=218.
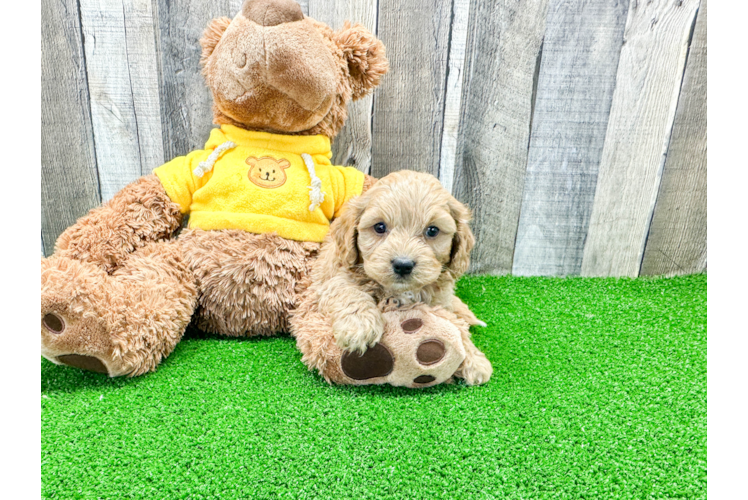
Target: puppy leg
x=357, y=323
x=463, y=312
x=476, y=369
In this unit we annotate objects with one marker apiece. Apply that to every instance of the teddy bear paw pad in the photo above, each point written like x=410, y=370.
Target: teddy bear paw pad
x=53, y=323
x=430, y=352
x=89, y=363
x=377, y=361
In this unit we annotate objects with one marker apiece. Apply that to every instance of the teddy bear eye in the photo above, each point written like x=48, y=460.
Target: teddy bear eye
x=273, y=171
x=380, y=227
x=432, y=231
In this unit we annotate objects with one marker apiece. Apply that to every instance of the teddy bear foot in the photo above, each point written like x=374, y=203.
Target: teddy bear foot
x=119, y=324
x=73, y=333
x=421, y=347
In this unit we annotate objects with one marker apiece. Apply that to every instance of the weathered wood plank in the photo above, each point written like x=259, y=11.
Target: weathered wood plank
x=186, y=102
x=453, y=97
x=677, y=235
x=503, y=51
x=352, y=146
x=650, y=72
x=304, y=6
x=577, y=77
x=69, y=181
x=409, y=104
x=121, y=65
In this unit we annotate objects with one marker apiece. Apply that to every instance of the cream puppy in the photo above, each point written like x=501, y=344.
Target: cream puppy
x=405, y=240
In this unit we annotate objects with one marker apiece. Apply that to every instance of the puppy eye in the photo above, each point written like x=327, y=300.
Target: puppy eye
x=432, y=231
x=380, y=227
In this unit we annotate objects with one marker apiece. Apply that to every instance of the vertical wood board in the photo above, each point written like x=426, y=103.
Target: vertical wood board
x=503, y=51
x=650, y=72
x=453, y=97
x=122, y=75
x=352, y=146
x=677, y=235
x=69, y=181
x=577, y=77
x=409, y=104
x=186, y=103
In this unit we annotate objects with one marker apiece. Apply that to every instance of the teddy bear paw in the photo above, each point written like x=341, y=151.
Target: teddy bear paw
x=73, y=332
x=419, y=348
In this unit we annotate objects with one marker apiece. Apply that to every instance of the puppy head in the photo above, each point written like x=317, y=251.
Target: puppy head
x=406, y=232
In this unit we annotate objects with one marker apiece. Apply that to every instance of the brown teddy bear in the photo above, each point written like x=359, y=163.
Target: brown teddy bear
x=120, y=288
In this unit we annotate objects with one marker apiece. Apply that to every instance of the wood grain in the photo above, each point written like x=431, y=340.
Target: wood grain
x=503, y=50
x=69, y=182
x=677, y=235
x=409, y=104
x=577, y=77
x=122, y=75
x=352, y=146
x=453, y=96
x=186, y=102
x=650, y=72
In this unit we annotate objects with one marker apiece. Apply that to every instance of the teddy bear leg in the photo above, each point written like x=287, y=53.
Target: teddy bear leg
x=247, y=282
x=421, y=347
x=122, y=323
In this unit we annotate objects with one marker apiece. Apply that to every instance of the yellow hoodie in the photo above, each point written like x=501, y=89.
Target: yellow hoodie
x=261, y=183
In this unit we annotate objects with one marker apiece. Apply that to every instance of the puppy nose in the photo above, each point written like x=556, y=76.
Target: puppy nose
x=403, y=266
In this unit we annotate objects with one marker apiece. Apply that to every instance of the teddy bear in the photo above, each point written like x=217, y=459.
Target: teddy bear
x=126, y=279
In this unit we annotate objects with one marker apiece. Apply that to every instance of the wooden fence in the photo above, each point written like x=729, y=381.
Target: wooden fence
x=574, y=129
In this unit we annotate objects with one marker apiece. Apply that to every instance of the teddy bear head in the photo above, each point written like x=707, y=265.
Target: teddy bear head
x=273, y=69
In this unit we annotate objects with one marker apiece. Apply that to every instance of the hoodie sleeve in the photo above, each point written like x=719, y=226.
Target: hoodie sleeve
x=348, y=183
x=178, y=178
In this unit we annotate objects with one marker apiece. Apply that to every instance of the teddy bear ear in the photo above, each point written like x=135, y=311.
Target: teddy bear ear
x=211, y=36
x=364, y=53
x=251, y=161
x=284, y=164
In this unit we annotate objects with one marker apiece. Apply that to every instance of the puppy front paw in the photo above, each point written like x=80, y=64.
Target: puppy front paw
x=358, y=332
x=476, y=369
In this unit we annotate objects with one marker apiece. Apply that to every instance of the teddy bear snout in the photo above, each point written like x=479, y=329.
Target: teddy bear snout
x=272, y=12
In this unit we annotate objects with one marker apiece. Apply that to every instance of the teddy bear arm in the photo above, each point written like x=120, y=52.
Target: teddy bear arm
x=140, y=213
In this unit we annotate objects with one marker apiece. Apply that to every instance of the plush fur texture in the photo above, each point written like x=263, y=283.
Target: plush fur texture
x=356, y=272
x=121, y=287
x=139, y=214
x=294, y=78
x=129, y=320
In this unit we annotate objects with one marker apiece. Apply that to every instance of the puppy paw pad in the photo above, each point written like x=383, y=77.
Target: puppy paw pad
x=430, y=352
x=83, y=362
x=411, y=325
x=377, y=361
x=424, y=379
x=54, y=323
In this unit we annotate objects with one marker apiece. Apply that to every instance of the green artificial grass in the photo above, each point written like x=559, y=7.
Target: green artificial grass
x=598, y=391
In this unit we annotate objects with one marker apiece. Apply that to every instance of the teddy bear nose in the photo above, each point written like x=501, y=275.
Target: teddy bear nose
x=272, y=12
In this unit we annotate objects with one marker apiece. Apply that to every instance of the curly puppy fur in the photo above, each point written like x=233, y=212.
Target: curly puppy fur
x=356, y=268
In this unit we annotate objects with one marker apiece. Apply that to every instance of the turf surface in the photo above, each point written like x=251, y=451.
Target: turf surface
x=599, y=391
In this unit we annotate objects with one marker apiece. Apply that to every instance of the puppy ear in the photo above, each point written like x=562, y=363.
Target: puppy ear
x=364, y=54
x=344, y=232
x=463, y=240
x=211, y=36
